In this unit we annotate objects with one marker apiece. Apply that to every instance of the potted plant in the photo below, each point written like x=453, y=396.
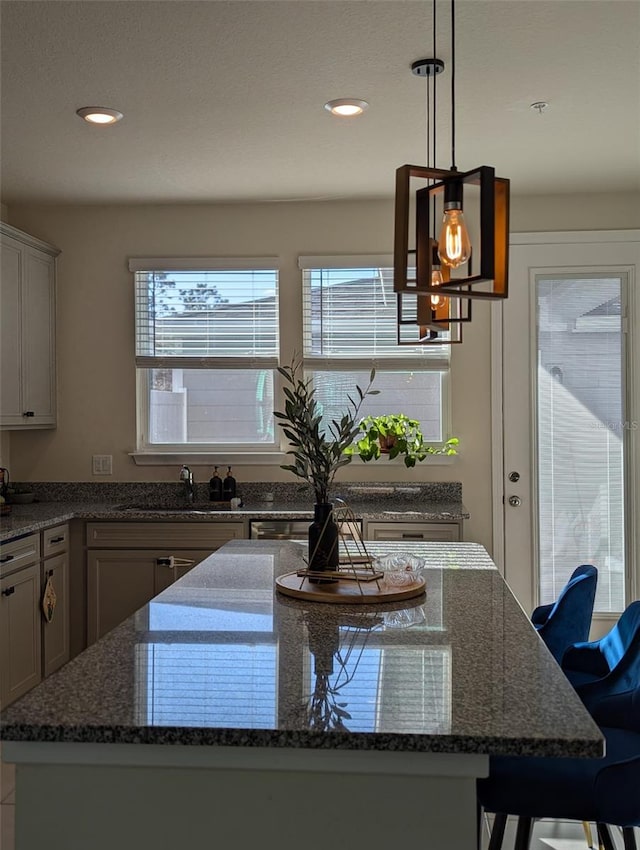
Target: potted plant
x=395, y=434
x=318, y=452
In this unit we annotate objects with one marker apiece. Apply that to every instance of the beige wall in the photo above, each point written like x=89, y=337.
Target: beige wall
x=96, y=380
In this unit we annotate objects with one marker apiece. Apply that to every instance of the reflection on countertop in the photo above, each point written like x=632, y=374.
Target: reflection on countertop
x=221, y=658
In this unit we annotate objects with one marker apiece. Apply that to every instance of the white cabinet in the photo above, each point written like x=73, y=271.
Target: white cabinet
x=408, y=531
x=128, y=563
x=20, y=664
x=55, y=568
x=27, y=331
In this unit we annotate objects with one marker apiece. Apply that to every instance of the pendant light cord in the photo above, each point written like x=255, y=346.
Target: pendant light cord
x=453, y=84
x=435, y=104
x=435, y=87
x=428, y=111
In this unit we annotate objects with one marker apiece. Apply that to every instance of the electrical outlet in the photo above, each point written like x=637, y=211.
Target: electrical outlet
x=102, y=464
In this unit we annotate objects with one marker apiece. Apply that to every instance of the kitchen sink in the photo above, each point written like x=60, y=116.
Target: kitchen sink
x=196, y=508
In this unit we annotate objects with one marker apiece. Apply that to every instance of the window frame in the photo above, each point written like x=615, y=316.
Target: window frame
x=436, y=362
x=148, y=453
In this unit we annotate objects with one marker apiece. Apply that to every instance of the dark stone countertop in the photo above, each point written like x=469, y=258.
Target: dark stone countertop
x=222, y=658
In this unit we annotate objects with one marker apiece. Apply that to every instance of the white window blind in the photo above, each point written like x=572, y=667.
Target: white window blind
x=581, y=427
x=206, y=346
x=350, y=325
x=205, y=317
x=351, y=313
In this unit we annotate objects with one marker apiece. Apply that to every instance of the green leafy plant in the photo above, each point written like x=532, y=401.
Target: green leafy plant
x=318, y=451
x=395, y=434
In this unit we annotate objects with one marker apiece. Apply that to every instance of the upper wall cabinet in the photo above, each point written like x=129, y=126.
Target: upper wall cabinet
x=27, y=331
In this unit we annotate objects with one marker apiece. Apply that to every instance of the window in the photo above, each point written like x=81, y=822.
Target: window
x=206, y=351
x=581, y=430
x=349, y=324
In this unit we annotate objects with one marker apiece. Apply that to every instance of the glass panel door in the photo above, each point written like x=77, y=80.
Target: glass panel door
x=580, y=385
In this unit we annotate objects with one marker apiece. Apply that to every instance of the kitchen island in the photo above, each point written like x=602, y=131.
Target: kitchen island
x=224, y=713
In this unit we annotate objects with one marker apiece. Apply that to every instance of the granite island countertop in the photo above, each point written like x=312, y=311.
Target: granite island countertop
x=221, y=658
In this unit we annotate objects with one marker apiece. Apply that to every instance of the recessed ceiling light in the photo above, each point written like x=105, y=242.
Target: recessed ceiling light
x=99, y=114
x=346, y=106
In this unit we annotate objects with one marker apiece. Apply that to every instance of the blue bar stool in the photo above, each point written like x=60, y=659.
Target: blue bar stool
x=567, y=620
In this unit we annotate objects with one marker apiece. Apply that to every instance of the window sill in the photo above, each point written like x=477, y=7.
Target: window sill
x=207, y=458
x=261, y=459
x=431, y=460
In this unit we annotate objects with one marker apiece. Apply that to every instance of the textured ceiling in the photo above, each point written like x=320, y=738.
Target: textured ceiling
x=223, y=101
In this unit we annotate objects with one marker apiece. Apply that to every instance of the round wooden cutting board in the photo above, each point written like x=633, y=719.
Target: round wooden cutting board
x=347, y=592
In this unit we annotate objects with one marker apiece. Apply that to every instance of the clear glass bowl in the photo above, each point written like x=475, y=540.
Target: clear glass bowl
x=400, y=569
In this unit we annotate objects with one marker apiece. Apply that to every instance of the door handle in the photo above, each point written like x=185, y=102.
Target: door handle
x=515, y=501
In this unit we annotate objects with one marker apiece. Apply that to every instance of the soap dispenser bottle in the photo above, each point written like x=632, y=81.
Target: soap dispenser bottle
x=215, y=486
x=229, y=486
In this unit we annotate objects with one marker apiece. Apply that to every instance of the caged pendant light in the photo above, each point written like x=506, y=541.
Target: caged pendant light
x=435, y=318
x=448, y=271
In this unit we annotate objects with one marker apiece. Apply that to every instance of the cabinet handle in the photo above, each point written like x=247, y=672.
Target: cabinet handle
x=49, y=573
x=8, y=591
x=172, y=561
x=57, y=540
x=165, y=562
x=29, y=413
x=6, y=559
x=407, y=535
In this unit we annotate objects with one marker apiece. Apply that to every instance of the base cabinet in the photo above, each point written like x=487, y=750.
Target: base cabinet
x=120, y=581
x=408, y=531
x=138, y=560
x=20, y=658
x=32, y=648
x=55, y=569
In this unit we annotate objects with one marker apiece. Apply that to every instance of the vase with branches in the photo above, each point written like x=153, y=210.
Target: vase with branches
x=318, y=452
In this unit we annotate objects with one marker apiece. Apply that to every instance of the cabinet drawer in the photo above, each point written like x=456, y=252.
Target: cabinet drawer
x=55, y=540
x=407, y=531
x=19, y=553
x=151, y=535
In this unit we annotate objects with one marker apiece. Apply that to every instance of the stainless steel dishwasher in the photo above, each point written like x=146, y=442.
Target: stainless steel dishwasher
x=287, y=529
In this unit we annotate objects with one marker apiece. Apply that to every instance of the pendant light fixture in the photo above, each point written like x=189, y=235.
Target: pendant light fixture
x=437, y=317
x=476, y=269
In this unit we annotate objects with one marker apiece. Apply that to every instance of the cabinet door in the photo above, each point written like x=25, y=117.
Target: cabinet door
x=20, y=665
x=408, y=531
x=10, y=333
x=55, y=634
x=28, y=335
x=118, y=583
x=38, y=343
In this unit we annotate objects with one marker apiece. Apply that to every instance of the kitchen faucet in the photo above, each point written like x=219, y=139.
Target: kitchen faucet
x=186, y=476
